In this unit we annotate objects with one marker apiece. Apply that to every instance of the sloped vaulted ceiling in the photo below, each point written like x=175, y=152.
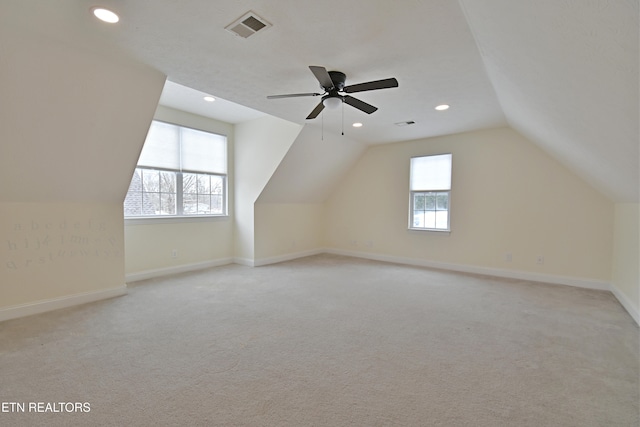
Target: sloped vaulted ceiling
x=566, y=75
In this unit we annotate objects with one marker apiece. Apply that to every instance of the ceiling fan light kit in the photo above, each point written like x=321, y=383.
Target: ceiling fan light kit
x=332, y=102
x=335, y=91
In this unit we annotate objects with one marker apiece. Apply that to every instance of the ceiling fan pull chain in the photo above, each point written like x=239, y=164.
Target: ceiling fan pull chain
x=342, y=118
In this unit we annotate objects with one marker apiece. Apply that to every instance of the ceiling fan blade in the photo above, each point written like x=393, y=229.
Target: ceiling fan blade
x=374, y=85
x=323, y=76
x=360, y=105
x=292, y=95
x=316, y=111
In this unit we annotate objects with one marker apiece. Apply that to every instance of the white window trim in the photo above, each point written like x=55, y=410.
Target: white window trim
x=172, y=219
x=411, y=198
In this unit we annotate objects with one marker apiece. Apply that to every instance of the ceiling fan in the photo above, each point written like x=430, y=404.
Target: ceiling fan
x=332, y=82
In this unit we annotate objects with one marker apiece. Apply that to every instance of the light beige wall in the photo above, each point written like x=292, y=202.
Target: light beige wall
x=289, y=210
x=284, y=229
x=507, y=197
x=260, y=146
x=72, y=123
x=149, y=243
x=149, y=246
x=314, y=164
x=626, y=256
x=53, y=250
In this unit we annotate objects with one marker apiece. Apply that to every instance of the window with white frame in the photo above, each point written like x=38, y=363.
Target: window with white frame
x=430, y=190
x=180, y=172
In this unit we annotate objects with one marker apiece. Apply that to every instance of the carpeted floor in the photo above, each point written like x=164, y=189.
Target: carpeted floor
x=327, y=341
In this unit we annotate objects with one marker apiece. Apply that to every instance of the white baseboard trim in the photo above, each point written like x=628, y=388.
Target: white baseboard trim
x=485, y=271
x=150, y=274
x=286, y=257
x=43, y=306
x=626, y=303
x=248, y=262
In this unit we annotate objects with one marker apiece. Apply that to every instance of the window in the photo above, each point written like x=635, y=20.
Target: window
x=430, y=188
x=181, y=172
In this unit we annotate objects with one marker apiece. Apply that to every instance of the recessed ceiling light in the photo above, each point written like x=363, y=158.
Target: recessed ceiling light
x=442, y=107
x=209, y=98
x=105, y=15
x=357, y=125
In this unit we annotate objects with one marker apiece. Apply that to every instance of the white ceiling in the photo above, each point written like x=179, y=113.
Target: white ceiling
x=562, y=72
x=566, y=74
x=184, y=98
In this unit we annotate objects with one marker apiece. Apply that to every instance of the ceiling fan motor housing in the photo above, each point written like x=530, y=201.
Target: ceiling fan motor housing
x=338, y=78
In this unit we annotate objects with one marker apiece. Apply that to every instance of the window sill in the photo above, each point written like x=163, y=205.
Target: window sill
x=430, y=230
x=143, y=220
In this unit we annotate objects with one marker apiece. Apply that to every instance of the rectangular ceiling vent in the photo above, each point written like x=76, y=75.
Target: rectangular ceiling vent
x=247, y=25
x=410, y=122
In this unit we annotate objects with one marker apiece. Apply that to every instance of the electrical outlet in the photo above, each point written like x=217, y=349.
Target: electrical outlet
x=508, y=257
x=540, y=259
x=353, y=242
x=174, y=253
x=369, y=244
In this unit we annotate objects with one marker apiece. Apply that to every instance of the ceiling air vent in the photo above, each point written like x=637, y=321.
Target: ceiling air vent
x=247, y=25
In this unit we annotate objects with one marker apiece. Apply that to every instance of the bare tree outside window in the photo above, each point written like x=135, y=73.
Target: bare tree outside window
x=202, y=194
x=154, y=193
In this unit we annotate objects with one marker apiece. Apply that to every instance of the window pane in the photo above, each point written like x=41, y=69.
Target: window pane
x=430, y=219
x=151, y=181
x=148, y=207
x=203, y=184
x=190, y=204
x=168, y=202
x=442, y=220
x=418, y=201
x=190, y=183
x=442, y=201
x=430, y=201
x=168, y=182
x=216, y=204
x=153, y=201
x=203, y=204
x=217, y=184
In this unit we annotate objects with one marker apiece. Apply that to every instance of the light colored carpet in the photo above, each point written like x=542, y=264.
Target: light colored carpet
x=329, y=341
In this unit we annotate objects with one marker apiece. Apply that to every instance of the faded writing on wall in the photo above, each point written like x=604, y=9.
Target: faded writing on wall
x=33, y=243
